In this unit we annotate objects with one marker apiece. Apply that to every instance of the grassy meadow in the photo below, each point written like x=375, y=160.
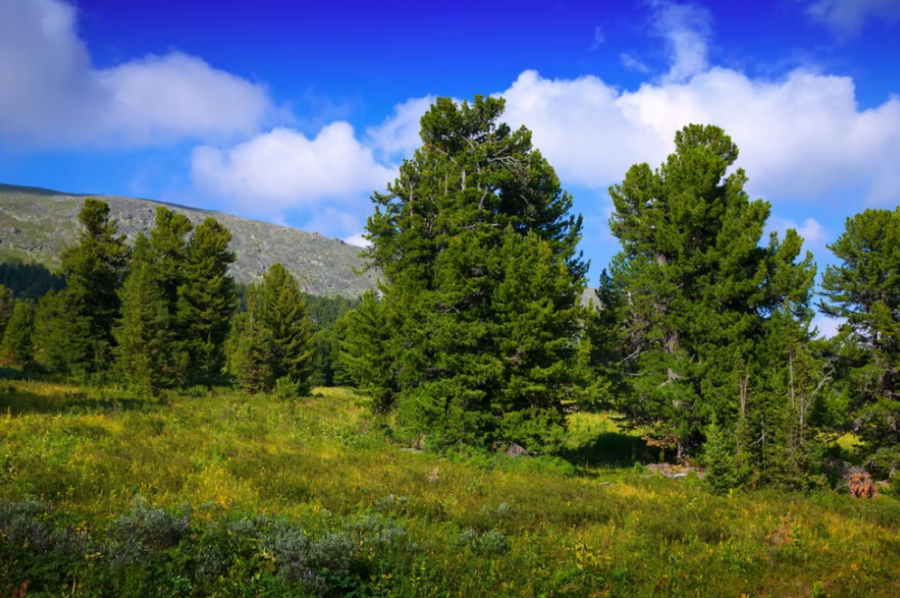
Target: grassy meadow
x=211, y=492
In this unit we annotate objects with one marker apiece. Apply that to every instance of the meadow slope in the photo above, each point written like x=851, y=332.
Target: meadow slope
x=214, y=493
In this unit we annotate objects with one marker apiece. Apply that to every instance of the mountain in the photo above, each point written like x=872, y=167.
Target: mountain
x=37, y=224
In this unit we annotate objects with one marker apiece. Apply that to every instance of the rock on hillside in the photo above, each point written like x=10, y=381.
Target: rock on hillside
x=37, y=224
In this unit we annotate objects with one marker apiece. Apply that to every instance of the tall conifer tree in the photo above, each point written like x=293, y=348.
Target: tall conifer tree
x=695, y=286
x=206, y=299
x=87, y=309
x=464, y=367
x=144, y=333
x=16, y=347
x=864, y=289
x=7, y=304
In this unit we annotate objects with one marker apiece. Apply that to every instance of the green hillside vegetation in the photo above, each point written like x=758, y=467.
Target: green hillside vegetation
x=493, y=433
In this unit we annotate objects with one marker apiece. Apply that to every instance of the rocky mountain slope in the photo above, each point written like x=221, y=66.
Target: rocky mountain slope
x=37, y=224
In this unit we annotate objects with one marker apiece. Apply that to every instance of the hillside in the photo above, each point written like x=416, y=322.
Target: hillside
x=37, y=224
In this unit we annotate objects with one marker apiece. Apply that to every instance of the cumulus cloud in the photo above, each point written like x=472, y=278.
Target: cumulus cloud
x=283, y=169
x=814, y=234
x=846, y=17
x=398, y=135
x=357, y=240
x=53, y=95
x=686, y=29
x=827, y=327
x=799, y=136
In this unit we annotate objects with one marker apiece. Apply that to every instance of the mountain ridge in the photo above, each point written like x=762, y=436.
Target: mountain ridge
x=36, y=224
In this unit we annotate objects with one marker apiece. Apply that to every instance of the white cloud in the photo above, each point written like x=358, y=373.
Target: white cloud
x=357, y=240
x=799, y=136
x=846, y=17
x=633, y=64
x=53, y=96
x=599, y=38
x=686, y=28
x=814, y=234
x=398, y=135
x=283, y=169
x=828, y=327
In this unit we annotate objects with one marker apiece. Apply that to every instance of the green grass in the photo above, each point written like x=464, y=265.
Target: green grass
x=248, y=496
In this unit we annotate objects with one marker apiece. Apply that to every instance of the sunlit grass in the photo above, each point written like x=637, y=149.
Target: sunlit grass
x=586, y=524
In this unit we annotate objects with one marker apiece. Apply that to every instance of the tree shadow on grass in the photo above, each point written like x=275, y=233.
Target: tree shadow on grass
x=610, y=449
x=16, y=401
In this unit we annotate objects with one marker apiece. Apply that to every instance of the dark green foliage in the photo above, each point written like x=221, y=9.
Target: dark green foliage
x=206, y=299
x=273, y=338
x=252, y=354
x=52, y=342
x=7, y=304
x=366, y=352
x=89, y=305
x=481, y=285
x=144, y=333
x=864, y=288
x=16, y=347
x=695, y=289
x=29, y=281
x=281, y=312
x=721, y=470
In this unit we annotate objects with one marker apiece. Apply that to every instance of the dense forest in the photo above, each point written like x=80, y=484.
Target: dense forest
x=700, y=338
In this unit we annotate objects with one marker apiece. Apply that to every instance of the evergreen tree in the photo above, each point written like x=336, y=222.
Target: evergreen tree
x=207, y=297
x=89, y=305
x=144, y=333
x=53, y=345
x=864, y=288
x=169, y=243
x=7, y=305
x=721, y=471
x=366, y=352
x=16, y=348
x=464, y=368
x=29, y=281
x=252, y=355
x=695, y=288
x=281, y=312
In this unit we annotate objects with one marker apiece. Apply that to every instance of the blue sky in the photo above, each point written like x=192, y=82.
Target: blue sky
x=295, y=112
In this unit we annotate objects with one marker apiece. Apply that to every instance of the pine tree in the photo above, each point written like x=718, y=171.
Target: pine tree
x=252, y=355
x=695, y=285
x=7, y=305
x=16, y=348
x=721, y=472
x=169, y=244
x=53, y=345
x=89, y=306
x=206, y=299
x=144, y=333
x=440, y=235
x=864, y=288
x=281, y=312
x=366, y=352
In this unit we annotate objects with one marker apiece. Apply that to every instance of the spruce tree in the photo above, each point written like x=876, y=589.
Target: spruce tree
x=366, y=352
x=280, y=311
x=53, y=345
x=251, y=351
x=169, y=243
x=7, y=305
x=695, y=287
x=464, y=369
x=144, y=333
x=721, y=471
x=89, y=305
x=864, y=289
x=206, y=299
x=16, y=348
